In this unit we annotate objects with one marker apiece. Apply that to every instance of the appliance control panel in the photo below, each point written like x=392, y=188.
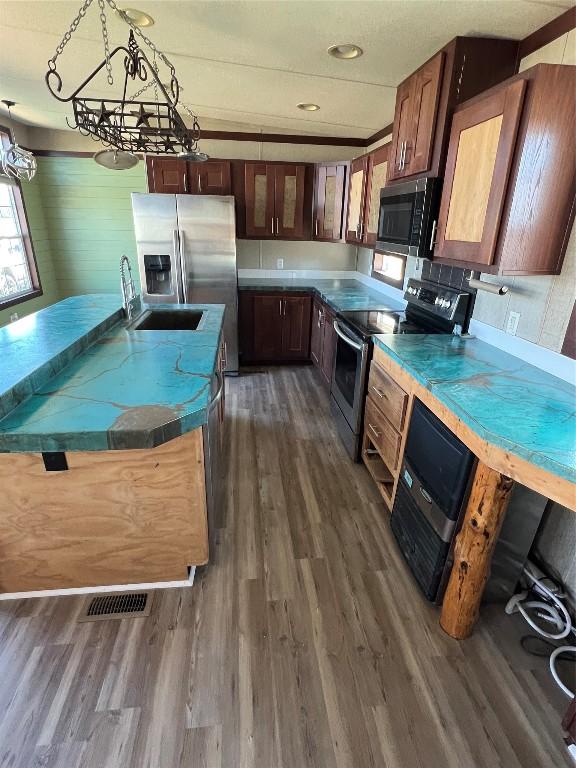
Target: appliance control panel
x=441, y=300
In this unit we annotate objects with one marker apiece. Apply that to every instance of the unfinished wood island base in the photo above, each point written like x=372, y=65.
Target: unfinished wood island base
x=113, y=517
x=493, y=481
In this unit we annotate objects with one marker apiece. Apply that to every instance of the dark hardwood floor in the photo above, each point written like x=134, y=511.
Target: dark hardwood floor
x=304, y=644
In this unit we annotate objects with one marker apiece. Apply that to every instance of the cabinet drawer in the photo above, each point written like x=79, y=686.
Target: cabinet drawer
x=387, y=396
x=382, y=434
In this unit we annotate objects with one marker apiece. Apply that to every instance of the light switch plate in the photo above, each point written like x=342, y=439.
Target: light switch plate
x=512, y=324
x=279, y=263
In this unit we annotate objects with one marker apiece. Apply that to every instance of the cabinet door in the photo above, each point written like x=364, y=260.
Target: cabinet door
x=402, y=128
x=356, y=199
x=167, y=174
x=259, y=199
x=328, y=344
x=289, y=200
x=480, y=156
x=426, y=83
x=316, y=335
x=329, y=201
x=267, y=326
x=211, y=177
x=377, y=172
x=296, y=327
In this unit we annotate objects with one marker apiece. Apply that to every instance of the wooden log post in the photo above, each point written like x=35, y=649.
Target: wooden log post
x=475, y=544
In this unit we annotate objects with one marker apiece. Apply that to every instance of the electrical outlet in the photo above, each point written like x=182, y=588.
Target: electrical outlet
x=512, y=324
x=13, y=317
x=279, y=263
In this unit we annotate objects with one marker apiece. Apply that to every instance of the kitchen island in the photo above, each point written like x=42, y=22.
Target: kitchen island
x=105, y=449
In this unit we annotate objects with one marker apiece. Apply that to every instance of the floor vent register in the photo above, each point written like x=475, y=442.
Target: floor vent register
x=124, y=605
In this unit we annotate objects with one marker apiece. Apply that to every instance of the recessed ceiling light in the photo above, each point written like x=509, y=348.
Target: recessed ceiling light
x=308, y=107
x=345, y=51
x=139, y=18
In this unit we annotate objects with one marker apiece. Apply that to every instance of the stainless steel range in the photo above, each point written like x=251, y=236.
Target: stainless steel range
x=431, y=308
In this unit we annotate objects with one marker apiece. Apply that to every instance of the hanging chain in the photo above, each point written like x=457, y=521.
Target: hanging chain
x=106, y=44
x=66, y=39
x=140, y=34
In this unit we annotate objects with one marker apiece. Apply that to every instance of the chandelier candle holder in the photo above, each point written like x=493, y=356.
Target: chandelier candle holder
x=148, y=121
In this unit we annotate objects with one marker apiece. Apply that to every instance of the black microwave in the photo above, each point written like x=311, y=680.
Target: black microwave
x=408, y=217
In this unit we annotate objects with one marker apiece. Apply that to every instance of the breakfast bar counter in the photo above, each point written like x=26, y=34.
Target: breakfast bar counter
x=518, y=420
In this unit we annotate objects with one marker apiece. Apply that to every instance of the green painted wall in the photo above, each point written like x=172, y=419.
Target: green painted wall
x=80, y=219
x=32, y=194
x=89, y=219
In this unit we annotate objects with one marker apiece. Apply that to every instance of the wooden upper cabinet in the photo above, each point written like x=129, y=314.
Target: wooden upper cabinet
x=425, y=101
x=289, y=200
x=508, y=198
x=179, y=177
x=167, y=174
x=377, y=173
x=259, y=199
x=329, y=201
x=276, y=200
x=415, y=118
x=425, y=95
x=356, y=199
x=210, y=178
x=480, y=156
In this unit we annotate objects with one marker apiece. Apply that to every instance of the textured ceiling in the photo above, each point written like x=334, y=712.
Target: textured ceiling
x=250, y=63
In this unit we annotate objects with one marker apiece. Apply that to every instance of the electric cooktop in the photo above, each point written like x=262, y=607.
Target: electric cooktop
x=371, y=322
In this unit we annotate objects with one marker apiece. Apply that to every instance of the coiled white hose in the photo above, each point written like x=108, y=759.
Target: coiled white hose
x=555, y=612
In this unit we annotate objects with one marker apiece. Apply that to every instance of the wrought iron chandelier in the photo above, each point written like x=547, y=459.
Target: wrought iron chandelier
x=133, y=123
x=16, y=162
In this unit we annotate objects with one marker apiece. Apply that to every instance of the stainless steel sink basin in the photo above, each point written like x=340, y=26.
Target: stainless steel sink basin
x=168, y=320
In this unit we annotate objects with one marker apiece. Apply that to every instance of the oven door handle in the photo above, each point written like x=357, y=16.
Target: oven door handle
x=344, y=337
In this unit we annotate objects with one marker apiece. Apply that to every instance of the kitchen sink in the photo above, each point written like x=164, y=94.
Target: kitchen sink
x=168, y=320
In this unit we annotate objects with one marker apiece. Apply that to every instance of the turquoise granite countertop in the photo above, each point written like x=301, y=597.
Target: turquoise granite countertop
x=76, y=378
x=503, y=399
x=342, y=295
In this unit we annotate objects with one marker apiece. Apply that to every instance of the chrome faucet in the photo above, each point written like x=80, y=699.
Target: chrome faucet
x=129, y=295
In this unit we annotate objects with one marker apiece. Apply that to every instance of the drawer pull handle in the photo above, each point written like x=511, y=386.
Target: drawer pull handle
x=374, y=430
x=379, y=392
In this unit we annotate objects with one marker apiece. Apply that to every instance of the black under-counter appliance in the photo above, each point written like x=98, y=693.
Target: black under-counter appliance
x=430, y=503
x=430, y=496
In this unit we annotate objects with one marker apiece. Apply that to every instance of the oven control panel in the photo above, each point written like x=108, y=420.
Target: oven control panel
x=440, y=300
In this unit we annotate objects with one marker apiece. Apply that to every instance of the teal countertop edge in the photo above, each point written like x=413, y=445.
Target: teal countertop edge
x=105, y=387
x=341, y=294
x=504, y=400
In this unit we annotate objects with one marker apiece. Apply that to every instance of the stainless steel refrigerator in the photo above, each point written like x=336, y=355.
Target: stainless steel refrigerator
x=187, y=255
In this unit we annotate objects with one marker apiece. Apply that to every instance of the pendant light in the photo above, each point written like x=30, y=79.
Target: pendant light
x=16, y=162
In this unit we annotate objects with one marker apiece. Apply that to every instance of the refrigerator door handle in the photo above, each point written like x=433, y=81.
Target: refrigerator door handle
x=183, y=276
x=177, y=280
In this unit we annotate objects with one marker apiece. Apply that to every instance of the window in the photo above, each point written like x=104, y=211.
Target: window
x=19, y=279
x=389, y=268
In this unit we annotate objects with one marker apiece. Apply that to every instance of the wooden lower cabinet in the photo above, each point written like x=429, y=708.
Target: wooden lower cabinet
x=385, y=427
x=323, y=339
x=113, y=517
x=274, y=327
x=296, y=328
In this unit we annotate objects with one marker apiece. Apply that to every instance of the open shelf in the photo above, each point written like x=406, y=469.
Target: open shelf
x=380, y=474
